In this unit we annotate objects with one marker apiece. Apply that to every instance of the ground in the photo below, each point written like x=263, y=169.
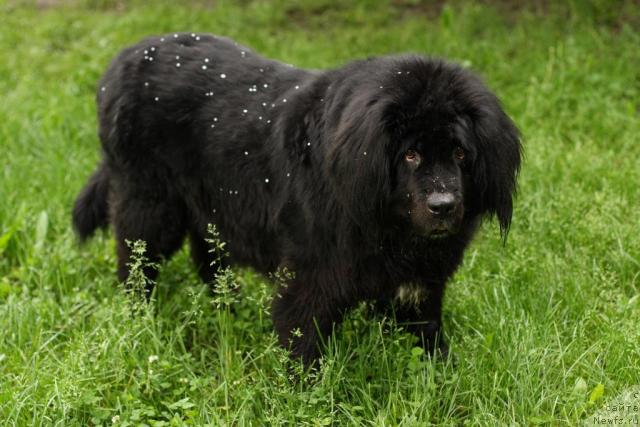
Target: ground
x=543, y=330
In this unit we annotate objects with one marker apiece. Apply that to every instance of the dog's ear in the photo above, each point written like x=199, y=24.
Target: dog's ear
x=357, y=159
x=498, y=162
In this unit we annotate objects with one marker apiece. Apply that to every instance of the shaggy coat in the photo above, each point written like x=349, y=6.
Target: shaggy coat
x=367, y=181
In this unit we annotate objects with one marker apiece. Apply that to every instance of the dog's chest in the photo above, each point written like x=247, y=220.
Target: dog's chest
x=410, y=294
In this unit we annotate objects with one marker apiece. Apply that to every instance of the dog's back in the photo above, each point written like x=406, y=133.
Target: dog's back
x=174, y=113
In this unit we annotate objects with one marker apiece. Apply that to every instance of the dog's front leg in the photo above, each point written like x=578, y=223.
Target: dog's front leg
x=421, y=314
x=304, y=315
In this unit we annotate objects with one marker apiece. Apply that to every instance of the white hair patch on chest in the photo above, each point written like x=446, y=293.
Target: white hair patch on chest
x=410, y=294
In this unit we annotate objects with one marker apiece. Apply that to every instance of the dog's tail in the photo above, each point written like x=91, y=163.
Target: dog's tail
x=91, y=207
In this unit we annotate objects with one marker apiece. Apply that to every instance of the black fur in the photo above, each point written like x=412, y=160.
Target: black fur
x=90, y=209
x=361, y=180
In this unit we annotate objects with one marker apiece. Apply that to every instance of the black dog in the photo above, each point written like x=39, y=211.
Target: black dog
x=367, y=181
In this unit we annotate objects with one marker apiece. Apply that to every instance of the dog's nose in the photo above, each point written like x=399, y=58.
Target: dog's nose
x=441, y=203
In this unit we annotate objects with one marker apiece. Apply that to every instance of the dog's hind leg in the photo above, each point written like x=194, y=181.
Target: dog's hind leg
x=203, y=254
x=155, y=218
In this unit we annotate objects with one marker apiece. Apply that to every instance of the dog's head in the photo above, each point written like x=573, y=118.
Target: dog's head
x=422, y=145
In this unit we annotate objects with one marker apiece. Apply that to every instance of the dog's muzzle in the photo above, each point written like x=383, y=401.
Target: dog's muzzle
x=443, y=208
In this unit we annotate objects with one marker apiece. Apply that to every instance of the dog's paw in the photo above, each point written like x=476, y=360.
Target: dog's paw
x=433, y=340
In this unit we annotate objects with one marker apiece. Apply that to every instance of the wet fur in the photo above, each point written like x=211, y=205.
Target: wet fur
x=309, y=177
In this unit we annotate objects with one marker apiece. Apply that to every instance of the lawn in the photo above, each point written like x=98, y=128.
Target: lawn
x=543, y=330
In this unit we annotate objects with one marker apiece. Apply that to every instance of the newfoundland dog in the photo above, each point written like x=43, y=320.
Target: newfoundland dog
x=366, y=181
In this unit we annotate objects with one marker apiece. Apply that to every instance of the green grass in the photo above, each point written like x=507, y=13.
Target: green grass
x=544, y=330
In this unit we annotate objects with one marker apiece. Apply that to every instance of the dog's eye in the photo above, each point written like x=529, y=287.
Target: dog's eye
x=412, y=156
x=459, y=153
